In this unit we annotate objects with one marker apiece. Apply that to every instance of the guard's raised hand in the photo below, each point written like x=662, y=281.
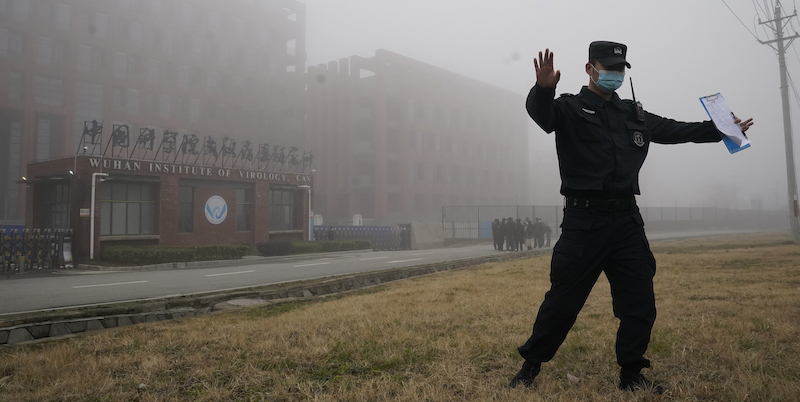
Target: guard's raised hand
x=546, y=76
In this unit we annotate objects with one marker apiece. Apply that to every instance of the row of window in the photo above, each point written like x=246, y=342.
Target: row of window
x=130, y=209
x=49, y=51
x=61, y=16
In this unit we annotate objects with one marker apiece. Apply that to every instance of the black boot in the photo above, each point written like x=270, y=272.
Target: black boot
x=639, y=382
x=526, y=374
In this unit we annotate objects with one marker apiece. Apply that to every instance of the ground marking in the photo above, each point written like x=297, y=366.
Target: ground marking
x=231, y=273
x=108, y=284
x=372, y=258
x=310, y=265
x=413, y=259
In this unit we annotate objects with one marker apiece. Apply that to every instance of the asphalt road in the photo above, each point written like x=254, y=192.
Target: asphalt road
x=41, y=291
x=46, y=290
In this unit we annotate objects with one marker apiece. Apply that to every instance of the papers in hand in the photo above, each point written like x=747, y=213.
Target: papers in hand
x=722, y=117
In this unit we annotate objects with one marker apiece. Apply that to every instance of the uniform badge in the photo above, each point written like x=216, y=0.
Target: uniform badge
x=617, y=50
x=638, y=139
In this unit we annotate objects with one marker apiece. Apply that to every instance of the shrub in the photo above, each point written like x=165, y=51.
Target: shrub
x=164, y=254
x=274, y=248
x=306, y=247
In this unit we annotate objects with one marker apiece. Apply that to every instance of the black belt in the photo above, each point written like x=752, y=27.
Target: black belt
x=601, y=204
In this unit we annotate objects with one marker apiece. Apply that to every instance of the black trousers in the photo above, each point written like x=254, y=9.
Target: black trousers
x=593, y=242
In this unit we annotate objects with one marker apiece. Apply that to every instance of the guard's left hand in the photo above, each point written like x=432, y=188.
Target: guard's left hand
x=744, y=125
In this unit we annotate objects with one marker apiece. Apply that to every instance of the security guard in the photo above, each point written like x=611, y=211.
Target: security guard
x=601, y=142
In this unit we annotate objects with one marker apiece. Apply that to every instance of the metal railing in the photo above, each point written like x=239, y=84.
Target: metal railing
x=475, y=222
x=22, y=250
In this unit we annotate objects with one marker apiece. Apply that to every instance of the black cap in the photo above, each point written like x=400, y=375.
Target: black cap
x=608, y=53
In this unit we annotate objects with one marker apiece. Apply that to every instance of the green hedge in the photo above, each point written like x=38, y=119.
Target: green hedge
x=270, y=249
x=147, y=255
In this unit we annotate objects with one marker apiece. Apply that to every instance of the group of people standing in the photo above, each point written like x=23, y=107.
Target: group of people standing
x=511, y=235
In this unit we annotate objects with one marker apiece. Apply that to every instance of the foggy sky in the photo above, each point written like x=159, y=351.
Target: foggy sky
x=679, y=51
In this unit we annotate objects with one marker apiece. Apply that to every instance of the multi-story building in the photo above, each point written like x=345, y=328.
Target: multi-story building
x=402, y=138
x=221, y=68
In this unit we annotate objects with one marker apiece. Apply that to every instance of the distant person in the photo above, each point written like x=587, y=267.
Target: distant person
x=547, y=232
x=601, y=143
x=509, y=232
x=405, y=239
x=331, y=234
x=519, y=234
x=538, y=233
x=496, y=234
x=528, y=232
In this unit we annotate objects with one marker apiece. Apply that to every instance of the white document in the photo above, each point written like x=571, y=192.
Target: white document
x=722, y=117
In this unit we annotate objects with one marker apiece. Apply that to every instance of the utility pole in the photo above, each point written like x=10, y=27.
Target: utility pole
x=782, y=42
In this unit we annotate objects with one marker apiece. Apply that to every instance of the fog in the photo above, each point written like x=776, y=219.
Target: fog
x=679, y=51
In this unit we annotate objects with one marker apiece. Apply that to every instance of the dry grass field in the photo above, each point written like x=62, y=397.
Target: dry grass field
x=728, y=329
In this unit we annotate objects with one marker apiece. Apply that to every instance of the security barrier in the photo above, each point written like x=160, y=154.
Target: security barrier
x=35, y=249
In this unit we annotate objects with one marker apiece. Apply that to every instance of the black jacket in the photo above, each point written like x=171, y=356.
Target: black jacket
x=601, y=144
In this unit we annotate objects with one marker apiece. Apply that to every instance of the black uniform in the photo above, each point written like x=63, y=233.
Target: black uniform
x=601, y=146
x=498, y=244
x=519, y=235
x=538, y=234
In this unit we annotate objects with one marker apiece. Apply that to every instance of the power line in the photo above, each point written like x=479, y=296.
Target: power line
x=791, y=83
x=740, y=21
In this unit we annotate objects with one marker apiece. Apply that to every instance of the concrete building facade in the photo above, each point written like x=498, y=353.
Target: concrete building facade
x=224, y=69
x=403, y=138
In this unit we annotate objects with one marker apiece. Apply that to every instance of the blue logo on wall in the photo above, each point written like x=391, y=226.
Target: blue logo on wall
x=216, y=209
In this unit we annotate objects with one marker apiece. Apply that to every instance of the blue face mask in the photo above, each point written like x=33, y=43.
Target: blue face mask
x=608, y=80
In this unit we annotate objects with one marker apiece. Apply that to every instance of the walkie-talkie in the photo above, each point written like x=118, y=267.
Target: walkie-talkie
x=639, y=108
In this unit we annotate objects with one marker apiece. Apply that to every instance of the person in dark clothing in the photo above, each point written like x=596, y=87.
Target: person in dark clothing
x=538, y=233
x=519, y=235
x=502, y=234
x=509, y=232
x=405, y=239
x=496, y=234
x=601, y=143
x=547, y=232
x=528, y=232
x=331, y=234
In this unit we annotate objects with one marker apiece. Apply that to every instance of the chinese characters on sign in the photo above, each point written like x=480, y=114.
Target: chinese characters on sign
x=188, y=150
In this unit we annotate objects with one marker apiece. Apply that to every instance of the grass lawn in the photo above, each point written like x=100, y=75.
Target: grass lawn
x=728, y=329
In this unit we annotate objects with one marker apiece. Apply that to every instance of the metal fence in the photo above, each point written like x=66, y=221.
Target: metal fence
x=381, y=237
x=475, y=222
x=22, y=250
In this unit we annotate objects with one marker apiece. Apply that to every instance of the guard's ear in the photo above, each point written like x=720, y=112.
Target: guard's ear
x=589, y=68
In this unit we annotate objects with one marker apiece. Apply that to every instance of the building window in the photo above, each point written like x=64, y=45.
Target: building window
x=164, y=105
x=4, y=37
x=63, y=17
x=15, y=86
x=17, y=44
x=283, y=210
x=244, y=209
x=194, y=110
x=132, y=101
x=88, y=104
x=44, y=54
x=51, y=52
x=124, y=65
x=20, y=9
x=127, y=209
x=57, y=206
x=185, y=209
x=100, y=27
x=47, y=139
